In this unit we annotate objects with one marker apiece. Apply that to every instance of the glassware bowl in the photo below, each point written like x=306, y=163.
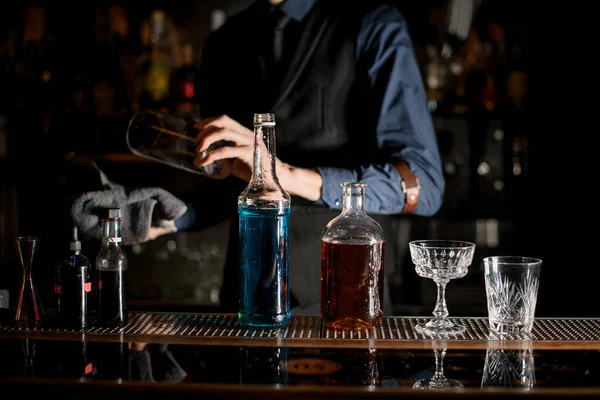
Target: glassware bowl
x=441, y=261
x=171, y=140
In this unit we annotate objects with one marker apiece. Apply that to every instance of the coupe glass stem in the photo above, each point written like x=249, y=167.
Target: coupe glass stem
x=439, y=364
x=441, y=311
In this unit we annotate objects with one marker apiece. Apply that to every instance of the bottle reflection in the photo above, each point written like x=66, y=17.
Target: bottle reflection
x=29, y=347
x=509, y=368
x=351, y=367
x=438, y=381
x=263, y=365
x=74, y=359
x=113, y=361
x=362, y=367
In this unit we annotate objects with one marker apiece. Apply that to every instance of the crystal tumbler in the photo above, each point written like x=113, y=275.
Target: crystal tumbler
x=511, y=284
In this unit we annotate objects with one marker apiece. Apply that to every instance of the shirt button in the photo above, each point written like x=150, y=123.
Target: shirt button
x=337, y=202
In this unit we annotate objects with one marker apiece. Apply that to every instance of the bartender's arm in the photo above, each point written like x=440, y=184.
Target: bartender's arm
x=405, y=129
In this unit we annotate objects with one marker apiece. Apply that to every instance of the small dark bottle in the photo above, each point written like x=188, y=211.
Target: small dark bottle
x=111, y=269
x=73, y=286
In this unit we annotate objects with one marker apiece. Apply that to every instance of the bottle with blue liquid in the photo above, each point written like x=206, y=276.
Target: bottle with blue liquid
x=264, y=211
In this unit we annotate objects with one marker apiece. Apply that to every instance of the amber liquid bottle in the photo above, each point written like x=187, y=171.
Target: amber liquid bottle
x=352, y=265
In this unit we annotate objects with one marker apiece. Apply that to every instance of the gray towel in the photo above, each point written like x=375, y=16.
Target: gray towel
x=140, y=209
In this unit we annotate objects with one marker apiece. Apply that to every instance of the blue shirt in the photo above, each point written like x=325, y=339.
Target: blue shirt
x=405, y=128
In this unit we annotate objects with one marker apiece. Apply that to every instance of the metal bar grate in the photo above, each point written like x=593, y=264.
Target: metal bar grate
x=306, y=327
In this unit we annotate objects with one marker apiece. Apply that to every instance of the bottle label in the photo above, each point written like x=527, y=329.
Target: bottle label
x=114, y=239
x=87, y=287
x=100, y=285
x=88, y=368
x=58, y=289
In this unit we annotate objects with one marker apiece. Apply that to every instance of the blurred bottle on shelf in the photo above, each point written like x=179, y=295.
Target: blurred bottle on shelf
x=436, y=72
x=159, y=62
x=183, y=85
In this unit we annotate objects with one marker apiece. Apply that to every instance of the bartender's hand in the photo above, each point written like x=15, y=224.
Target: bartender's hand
x=165, y=228
x=212, y=130
x=301, y=182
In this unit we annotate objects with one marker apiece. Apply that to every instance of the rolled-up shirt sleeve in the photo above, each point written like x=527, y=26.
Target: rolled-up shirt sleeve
x=404, y=128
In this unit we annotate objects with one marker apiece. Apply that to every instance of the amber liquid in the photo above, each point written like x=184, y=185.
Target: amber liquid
x=352, y=284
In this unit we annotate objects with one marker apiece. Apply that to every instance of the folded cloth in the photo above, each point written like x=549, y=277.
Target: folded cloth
x=141, y=209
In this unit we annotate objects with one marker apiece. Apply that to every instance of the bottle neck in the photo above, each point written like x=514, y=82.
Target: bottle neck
x=111, y=231
x=264, y=154
x=354, y=198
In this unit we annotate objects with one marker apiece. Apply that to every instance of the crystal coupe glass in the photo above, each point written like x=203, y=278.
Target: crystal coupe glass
x=441, y=261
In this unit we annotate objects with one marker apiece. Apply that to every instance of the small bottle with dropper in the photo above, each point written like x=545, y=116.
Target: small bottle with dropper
x=73, y=286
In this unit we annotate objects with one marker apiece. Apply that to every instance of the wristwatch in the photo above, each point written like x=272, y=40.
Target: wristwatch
x=410, y=186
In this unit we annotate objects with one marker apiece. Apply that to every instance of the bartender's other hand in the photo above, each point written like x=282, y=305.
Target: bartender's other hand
x=223, y=128
x=164, y=228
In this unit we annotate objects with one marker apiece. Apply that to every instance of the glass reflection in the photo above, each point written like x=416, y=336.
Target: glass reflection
x=438, y=381
x=328, y=367
x=361, y=367
x=29, y=346
x=500, y=365
x=74, y=359
x=113, y=361
x=509, y=368
x=263, y=365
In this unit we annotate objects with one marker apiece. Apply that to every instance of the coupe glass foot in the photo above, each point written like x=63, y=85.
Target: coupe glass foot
x=440, y=327
x=437, y=384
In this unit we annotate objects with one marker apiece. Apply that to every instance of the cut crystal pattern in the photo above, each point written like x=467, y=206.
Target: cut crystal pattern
x=509, y=368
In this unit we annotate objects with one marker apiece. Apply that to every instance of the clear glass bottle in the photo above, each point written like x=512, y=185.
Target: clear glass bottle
x=72, y=286
x=352, y=265
x=111, y=270
x=264, y=210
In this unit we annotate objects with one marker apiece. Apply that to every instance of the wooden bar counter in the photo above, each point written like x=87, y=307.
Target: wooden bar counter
x=176, y=355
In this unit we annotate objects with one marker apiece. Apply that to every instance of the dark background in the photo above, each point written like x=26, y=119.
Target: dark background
x=72, y=76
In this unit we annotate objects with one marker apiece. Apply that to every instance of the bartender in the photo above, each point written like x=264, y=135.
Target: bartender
x=350, y=106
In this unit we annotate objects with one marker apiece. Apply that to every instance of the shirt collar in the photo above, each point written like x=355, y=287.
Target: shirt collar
x=297, y=9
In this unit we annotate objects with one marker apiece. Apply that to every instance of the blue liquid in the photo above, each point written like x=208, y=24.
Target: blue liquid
x=264, y=267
